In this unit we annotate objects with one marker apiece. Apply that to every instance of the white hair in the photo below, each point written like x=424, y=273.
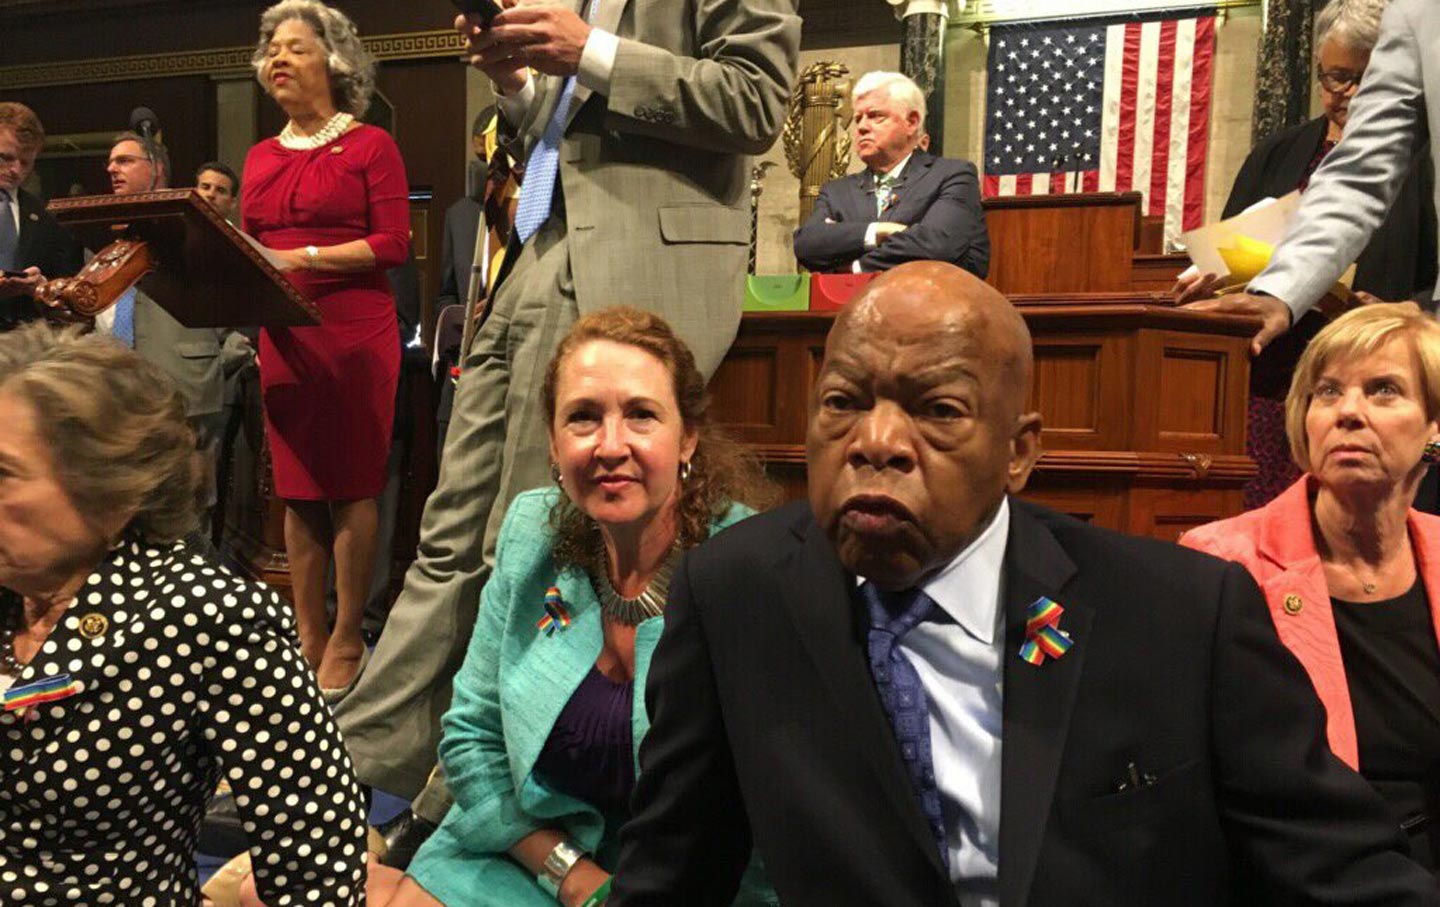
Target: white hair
x=351, y=66
x=901, y=88
x=1354, y=23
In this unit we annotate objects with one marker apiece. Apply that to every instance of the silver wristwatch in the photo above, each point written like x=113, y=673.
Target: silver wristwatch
x=557, y=866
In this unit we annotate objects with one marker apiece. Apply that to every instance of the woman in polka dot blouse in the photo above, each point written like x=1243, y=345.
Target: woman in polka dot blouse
x=135, y=670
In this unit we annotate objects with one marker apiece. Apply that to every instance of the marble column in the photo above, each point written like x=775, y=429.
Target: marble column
x=922, y=58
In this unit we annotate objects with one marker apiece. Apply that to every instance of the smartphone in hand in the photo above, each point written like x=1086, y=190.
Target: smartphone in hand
x=485, y=9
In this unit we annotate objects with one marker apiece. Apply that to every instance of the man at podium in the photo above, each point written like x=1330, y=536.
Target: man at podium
x=190, y=356
x=906, y=205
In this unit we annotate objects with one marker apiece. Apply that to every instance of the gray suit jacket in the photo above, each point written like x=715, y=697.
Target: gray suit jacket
x=1391, y=117
x=190, y=356
x=655, y=177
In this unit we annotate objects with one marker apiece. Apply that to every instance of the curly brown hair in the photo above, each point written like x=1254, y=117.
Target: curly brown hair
x=114, y=424
x=722, y=472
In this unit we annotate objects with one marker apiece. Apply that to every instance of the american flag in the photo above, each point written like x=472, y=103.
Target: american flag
x=1107, y=105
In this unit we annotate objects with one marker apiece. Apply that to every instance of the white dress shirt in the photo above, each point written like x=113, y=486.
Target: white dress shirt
x=961, y=667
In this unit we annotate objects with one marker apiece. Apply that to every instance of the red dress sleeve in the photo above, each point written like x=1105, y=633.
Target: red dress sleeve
x=388, y=190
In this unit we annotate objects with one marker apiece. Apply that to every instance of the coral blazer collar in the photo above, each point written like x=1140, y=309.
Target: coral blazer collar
x=1299, y=600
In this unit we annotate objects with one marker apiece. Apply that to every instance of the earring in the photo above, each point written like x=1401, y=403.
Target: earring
x=685, y=470
x=1431, y=453
x=555, y=473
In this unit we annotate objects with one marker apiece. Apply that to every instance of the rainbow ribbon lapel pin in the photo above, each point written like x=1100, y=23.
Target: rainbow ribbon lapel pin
x=556, y=617
x=1043, y=636
x=39, y=692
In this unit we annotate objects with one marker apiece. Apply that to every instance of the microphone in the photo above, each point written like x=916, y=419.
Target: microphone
x=144, y=121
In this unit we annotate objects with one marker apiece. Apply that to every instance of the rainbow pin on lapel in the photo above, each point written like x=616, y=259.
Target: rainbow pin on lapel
x=39, y=692
x=556, y=617
x=1043, y=636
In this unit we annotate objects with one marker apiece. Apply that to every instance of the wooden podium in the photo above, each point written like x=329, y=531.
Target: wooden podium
x=208, y=274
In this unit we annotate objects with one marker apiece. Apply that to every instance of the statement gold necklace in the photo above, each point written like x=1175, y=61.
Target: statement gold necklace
x=332, y=130
x=649, y=603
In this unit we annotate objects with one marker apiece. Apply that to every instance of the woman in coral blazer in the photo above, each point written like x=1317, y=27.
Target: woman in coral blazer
x=1350, y=571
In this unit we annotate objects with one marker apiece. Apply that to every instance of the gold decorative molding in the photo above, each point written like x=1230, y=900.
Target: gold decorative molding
x=994, y=12
x=215, y=61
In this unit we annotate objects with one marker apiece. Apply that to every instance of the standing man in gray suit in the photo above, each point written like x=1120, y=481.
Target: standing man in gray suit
x=190, y=356
x=636, y=131
x=1395, y=112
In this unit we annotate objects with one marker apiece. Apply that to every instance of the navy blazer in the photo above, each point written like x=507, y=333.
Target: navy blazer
x=938, y=199
x=766, y=728
x=44, y=244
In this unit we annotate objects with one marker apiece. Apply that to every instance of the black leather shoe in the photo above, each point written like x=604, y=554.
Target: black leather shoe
x=403, y=835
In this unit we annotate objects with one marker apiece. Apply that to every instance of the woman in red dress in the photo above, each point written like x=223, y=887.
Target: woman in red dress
x=329, y=197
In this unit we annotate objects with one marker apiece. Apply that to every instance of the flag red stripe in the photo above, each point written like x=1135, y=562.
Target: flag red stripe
x=1023, y=183
x=1092, y=180
x=1200, y=94
x=1164, y=89
x=1129, y=92
x=992, y=185
x=1057, y=183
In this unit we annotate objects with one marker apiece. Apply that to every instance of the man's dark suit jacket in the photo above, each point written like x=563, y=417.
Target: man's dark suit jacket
x=1399, y=263
x=938, y=199
x=44, y=244
x=765, y=723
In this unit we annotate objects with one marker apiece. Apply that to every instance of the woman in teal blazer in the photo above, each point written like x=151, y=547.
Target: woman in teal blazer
x=568, y=622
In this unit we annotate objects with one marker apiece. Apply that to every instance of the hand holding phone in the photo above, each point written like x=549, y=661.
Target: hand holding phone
x=485, y=10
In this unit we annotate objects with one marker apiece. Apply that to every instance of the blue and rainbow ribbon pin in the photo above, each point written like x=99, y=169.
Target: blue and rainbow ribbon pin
x=556, y=617
x=38, y=692
x=1043, y=636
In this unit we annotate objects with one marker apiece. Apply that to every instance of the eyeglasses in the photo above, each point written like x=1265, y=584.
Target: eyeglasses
x=1337, y=80
x=126, y=160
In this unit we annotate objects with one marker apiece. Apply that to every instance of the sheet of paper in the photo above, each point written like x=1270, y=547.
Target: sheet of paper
x=1265, y=222
x=267, y=254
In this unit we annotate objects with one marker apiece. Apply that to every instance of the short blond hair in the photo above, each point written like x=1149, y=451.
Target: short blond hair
x=1357, y=333
x=24, y=123
x=115, y=426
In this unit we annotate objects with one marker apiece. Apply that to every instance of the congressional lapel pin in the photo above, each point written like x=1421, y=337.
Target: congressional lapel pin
x=1294, y=604
x=34, y=216
x=1043, y=636
x=94, y=625
x=39, y=692
x=556, y=617
x=336, y=149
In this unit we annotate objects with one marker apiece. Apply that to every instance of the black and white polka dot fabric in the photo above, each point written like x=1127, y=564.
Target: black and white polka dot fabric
x=182, y=671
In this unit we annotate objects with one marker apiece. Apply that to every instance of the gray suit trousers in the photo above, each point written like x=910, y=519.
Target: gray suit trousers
x=497, y=447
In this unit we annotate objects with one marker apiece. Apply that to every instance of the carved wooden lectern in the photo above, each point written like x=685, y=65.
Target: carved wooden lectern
x=188, y=258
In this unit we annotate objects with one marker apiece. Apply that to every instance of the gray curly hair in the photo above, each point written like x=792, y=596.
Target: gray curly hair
x=115, y=426
x=1354, y=23
x=351, y=66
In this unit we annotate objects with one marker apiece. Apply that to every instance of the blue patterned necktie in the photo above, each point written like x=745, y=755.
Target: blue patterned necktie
x=884, y=188
x=892, y=615
x=542, y=166
x=9, y=236
x=124, y=327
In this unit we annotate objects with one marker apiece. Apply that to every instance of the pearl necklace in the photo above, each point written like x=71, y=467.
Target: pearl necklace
x=332, y=130
x=649, y=603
